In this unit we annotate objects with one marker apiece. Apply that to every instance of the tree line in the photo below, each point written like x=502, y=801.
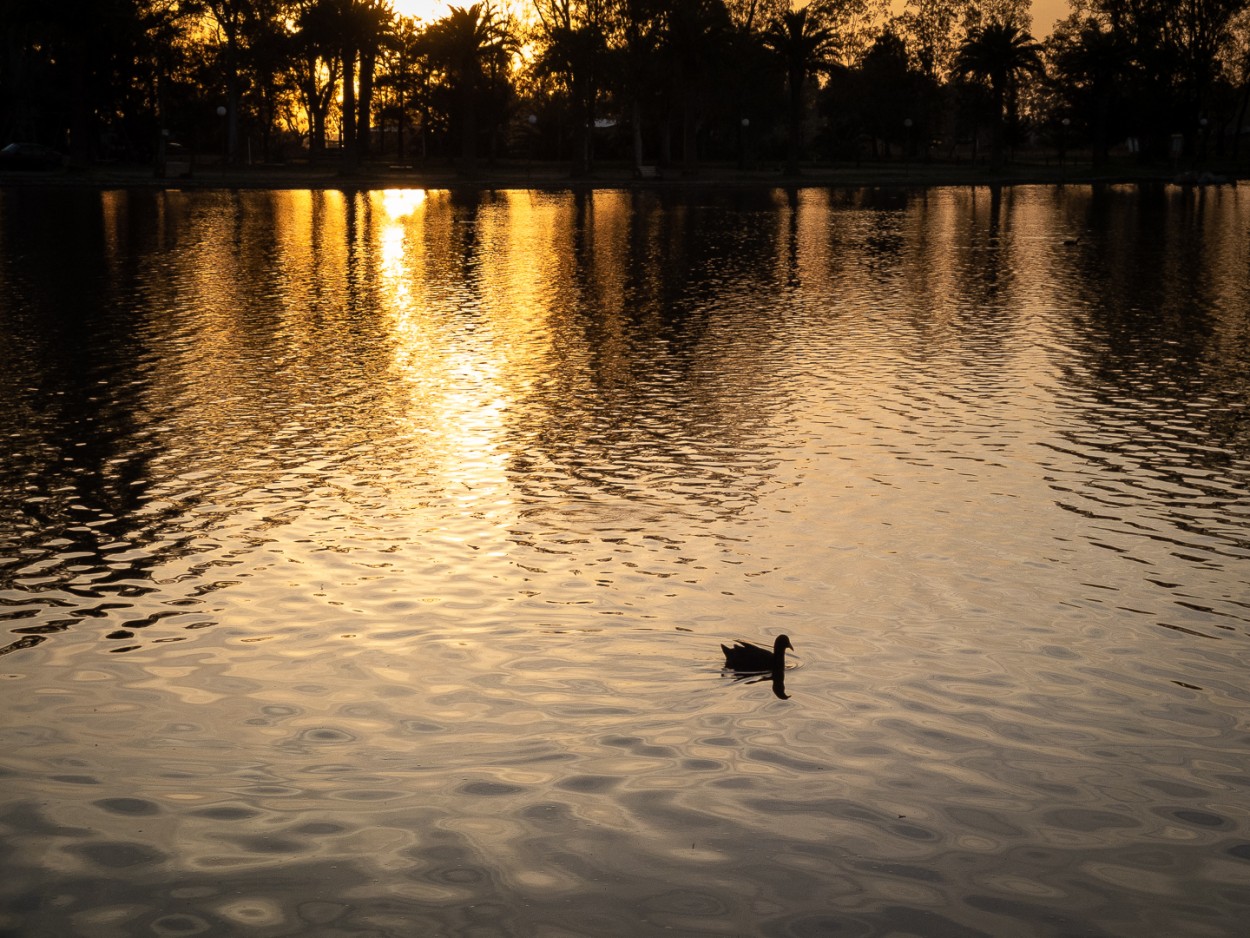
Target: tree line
x=653, y=82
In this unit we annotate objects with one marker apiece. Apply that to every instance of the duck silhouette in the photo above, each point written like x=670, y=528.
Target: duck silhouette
x=752, y=658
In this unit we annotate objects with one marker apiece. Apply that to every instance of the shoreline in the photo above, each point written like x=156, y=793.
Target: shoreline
x=554, y=177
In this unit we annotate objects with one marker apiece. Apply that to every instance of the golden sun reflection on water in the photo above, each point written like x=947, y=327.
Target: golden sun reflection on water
x=400, y=203
x=453, y=393
x=397, y=205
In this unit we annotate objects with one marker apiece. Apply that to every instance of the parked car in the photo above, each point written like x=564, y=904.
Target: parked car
x=30, y=156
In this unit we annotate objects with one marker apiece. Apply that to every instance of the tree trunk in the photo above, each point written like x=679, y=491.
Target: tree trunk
x=400, y=123
x=1102, y=116
x=689, y=136
x=583, y=116
x=266, y=123
x=350, y=154
x=365, y=104
x=468, y=132
x=232, y=100
x=1241, y=115
x=636, y=111
x=996, y=128
x=794, y=121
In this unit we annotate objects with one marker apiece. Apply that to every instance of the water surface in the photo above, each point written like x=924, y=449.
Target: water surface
x=364, y=560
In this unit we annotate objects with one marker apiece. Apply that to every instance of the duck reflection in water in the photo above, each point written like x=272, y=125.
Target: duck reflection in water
x=747, y=659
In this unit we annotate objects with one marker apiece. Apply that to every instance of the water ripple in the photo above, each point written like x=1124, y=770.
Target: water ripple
x=365, y=558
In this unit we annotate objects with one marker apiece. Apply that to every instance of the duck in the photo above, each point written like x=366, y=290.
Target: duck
x=746, y=656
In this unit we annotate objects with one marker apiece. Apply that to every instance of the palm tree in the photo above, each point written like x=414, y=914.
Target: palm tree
x=1000, y=54
x=400, y=78
x=574, y=50
x=469, y=45
x=805, y=40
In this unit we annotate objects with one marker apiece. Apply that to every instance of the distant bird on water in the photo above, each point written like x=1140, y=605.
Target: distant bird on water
x=745, y=656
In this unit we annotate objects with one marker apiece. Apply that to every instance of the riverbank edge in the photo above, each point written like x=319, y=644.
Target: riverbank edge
x=557, y=177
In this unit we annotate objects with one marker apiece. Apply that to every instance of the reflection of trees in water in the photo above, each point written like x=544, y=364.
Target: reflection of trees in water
x=155, y=398
x=930, y=296
x=1153, y=373
x=1159, y=299
x=264, y=372
x=71, y=473
x=217, y=364
x=657, y=393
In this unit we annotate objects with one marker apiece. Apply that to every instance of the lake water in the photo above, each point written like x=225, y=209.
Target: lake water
x=365, y=558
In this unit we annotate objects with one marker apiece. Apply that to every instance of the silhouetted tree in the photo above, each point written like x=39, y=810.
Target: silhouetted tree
x=374, y=21
x=318, y=65
x=1239, y=70
x=891, y=93
x=270, y=64
x=1000, y=54
x=1201, y=30
x=573, y=50
x=751, y=77
x=931, y=29
x=805, y=40
x=97, y=76
x=470, y=46
x=400, y=79
x=635, y=31
x=74, y=70
x=692, y=41
x=231, y=18
x=1171, y=54
x=1090, y=65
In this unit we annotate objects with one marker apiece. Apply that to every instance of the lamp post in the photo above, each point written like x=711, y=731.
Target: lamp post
x=1063, y=141
x=742, y=142
x=907, y=145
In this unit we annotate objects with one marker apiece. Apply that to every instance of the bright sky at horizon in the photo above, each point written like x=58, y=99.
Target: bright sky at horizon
x=1045, y=12
x=424, y=9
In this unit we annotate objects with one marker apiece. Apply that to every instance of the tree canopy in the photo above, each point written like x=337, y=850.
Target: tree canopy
x=642, y=81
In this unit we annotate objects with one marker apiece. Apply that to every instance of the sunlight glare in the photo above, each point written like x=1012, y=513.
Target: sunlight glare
x=425, y=10
x=400, y=203
x=452, y=379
